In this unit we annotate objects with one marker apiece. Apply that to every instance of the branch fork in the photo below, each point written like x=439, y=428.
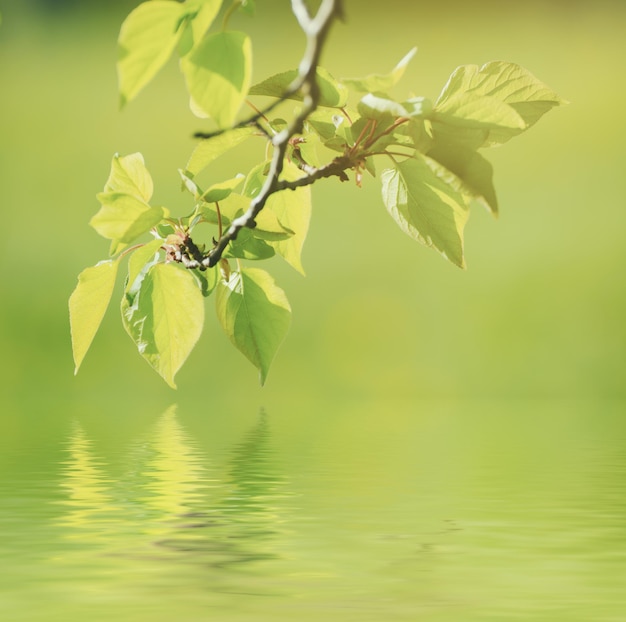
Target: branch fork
x=316, y=29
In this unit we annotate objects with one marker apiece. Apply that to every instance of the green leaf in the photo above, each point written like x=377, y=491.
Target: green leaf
x=230, y=208
x=483, y=112
x=419, y=133
x=221, y=190
x=376, y=83
x=375, y=107
x=248, y=246
x=206, y=280
x=211, y=148
x=129, y=175
x=309, y=150
x=147, y=39
x=202, y=14
x=325, y=123
x=218, y=73
x=88, y=304
x=474, y=172
x=164, y=315
x=333, y=94
x=124, y=217
x=292, y=208
x=268, y=227
x=255, y=314
x=141, y=260
x=421, y=198
x=248, y=7
x=508, y=83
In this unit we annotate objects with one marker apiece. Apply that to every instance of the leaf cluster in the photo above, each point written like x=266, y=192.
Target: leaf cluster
x=431, y=152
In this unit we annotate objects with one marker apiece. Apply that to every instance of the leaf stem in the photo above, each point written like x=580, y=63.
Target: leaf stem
x=219, y=219
x=231, y=9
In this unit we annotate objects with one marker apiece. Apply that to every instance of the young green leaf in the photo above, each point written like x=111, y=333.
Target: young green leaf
x=426, y=206
x=333, y=94
x=377, y=83
x=207, y=280
x=129, y=175
x=218, y=73
x=124, y=217
x=325, y=122
x=474, y=173
x=508, y=83
x=88, y=304
x=221, y=190
x=141, y=260
x=248, y=246
x=255, y=314
x=147, y=39
x=163, y=314
x=292, y=208
x=268, y=227
x=247, y=6
x=211, y=148
x=202, y=13
x=479, y=111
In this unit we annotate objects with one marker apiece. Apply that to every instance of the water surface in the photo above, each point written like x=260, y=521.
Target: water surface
x=439, y=511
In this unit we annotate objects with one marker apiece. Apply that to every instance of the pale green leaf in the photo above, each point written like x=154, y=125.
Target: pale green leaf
x=474, y=172
x=124, y=217
x=129, y=175
x=478, y=111
x=324, y=122
x=376, y=107
x=221, y=190
x=141, y=260
x=202, y=13
x=232, y=206
x=164, y=315
x=333, y=94
x=206, y=280
x=268, y=227
x=309, y=150
x=423, y=202
x=248, y=246
x=255, y=314
x=189, y=184
x=88, y=304
x=248, y=7
x=376, y=83
x=508, y=83
x=292, y=208
x=211, y=148
x=147, y=39
x=218, y=73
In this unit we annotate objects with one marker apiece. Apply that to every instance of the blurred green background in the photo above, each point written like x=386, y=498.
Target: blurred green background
x=540, y=312
x=437, y=441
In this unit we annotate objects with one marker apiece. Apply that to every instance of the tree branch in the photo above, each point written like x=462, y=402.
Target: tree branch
x=316, y=30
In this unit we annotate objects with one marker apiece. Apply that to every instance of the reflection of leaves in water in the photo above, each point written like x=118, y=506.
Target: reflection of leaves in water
x=90, y=501
x=246, y=519
x=168, y=498
x=252, y=474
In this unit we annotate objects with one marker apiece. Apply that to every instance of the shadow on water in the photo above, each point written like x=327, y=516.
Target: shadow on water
x=172, y=504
